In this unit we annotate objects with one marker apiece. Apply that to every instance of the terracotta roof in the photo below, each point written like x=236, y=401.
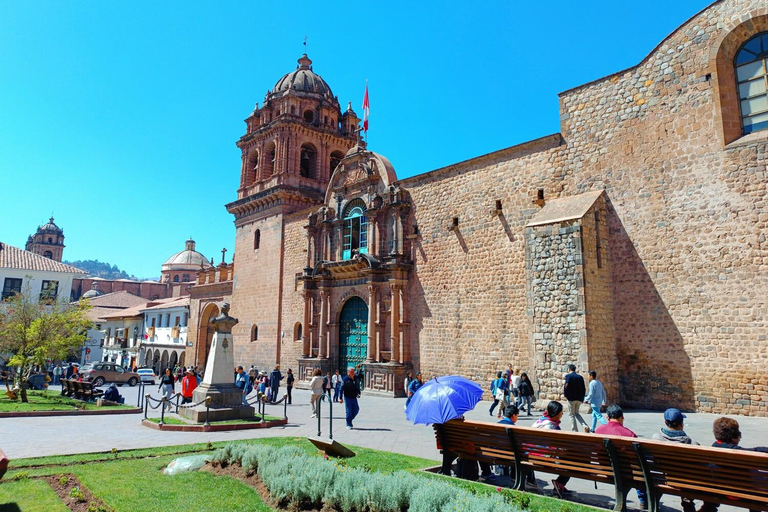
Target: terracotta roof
x=173, y=302
x=565, y=208
x=13, y=257
x=125, y=313
x=121, y=299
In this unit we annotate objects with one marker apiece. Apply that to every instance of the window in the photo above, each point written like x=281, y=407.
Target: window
x=308, y=161
x=256, y=239
x=297, y=332
x=254, y=333
x=268, y=165
x=309, y=116
x=176, y=278
x=336, y=158
x=48, y=254
x=752, y=78
x=153, y=322
x=11, y=287
x=184, y=319
x=50, y=240
x=178, y=321
x=355, y=230
x=48, y=291
x=185, y=278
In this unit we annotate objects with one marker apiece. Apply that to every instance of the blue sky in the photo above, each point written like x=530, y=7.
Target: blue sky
x=120, y=118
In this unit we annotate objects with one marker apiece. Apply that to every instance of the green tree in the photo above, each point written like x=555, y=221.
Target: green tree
x=34, y=332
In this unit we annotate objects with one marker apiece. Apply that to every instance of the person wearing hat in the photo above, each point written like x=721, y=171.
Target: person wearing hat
x=188, y=385
x=673, y=419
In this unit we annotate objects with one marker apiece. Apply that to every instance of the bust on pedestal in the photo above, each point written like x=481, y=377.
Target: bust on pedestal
x=226, y=397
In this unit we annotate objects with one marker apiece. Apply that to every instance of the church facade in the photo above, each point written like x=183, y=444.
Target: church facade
x=633, y=242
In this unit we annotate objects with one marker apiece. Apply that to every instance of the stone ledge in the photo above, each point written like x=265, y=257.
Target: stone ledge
x=213, y=428
x=34, y=414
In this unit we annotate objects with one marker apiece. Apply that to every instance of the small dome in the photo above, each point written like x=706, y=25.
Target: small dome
x=188, y=259
x=93, y=292
x=302, y=81
x=50, y=227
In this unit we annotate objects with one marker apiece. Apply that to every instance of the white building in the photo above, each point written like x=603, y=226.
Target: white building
x=123, y=334
x=165, y=333
x=103, y=304
x=49, y=279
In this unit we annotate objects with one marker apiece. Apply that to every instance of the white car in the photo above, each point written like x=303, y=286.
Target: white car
x=147, y=375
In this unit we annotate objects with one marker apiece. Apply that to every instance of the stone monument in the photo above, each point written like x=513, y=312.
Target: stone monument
x=218, y=381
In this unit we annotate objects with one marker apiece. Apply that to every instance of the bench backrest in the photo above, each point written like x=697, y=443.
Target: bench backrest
x=78, y=387
x=735, y=477
x=486, y=442
x=564, y=453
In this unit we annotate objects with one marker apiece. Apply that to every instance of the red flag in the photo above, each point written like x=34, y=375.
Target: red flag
x=366, y=108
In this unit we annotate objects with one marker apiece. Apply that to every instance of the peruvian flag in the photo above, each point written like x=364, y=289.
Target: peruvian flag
x=366, y=108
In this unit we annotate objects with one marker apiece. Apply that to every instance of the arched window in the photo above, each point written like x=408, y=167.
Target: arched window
x=48, y=254
x=185, y=278
x=336, y=158
x=309, y=116
x=752, y=76
x=257, y=239
x=268, y=162
x=254, y=333
x=297, y=332
x=308, y=161
x=253, y=172
x=176, y=278
x=355, y=230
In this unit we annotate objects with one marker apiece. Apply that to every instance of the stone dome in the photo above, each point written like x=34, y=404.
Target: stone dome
x=302, y=82
x=50, y=227
x=188, y=259
x=93, y=292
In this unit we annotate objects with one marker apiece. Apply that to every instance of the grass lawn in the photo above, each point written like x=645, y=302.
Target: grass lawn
x=171, y=420
x=131, y=480
x=50, y=401
x=29, y=496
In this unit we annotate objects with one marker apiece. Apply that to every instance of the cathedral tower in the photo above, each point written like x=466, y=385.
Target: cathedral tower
x=291, y=147
x=47, y=241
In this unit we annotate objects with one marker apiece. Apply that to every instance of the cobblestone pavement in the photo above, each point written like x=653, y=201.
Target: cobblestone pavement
x=381, y=424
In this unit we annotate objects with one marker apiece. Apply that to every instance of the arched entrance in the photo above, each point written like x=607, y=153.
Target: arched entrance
x=205, y=335
x=148, y=358
x=173, y=360
x=353, y=333
x=164, y=361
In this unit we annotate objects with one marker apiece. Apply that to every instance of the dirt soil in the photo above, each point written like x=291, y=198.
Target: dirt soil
x=63, y=490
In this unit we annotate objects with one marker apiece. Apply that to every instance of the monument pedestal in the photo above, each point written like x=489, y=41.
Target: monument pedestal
x=226, y=398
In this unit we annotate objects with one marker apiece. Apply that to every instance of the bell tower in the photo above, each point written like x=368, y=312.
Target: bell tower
x=292, y=145
x=47, y=241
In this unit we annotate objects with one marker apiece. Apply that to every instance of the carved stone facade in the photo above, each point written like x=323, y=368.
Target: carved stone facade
x=633, y=242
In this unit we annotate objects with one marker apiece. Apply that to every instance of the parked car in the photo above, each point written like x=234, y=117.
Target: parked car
x=110, y=372
x=147, y=375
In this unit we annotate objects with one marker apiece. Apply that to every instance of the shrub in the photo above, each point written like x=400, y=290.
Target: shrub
x=77, y=494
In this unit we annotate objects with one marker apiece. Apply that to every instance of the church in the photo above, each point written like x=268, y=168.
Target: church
x=632, y=242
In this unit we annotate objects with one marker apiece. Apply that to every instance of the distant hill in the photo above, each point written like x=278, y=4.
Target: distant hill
x=96, y=268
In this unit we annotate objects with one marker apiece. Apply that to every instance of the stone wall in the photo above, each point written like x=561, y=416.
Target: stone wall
x=295, y=259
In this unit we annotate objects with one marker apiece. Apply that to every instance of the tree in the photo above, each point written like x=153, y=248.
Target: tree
x=34, y=332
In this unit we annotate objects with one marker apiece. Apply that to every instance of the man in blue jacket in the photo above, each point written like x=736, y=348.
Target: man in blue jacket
x=351, y=392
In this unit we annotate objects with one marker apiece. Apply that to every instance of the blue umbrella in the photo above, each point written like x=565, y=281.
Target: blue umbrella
x=443, y=399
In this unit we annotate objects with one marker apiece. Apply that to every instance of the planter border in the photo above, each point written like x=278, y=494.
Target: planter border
x=75, y=412
x=213, y=428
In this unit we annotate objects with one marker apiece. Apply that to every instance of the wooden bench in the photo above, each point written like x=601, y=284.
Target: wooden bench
x=79, y=390
x=730, y=477
x=483, y=442
x=3, y=463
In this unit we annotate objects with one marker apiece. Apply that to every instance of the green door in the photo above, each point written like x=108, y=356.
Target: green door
x=353, y=334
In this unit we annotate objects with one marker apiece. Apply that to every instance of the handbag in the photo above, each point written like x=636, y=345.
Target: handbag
x=500, y=395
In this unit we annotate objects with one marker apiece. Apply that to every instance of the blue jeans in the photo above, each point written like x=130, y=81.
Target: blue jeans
x=526, y=401
x=352, y=408
x=597, y=416
x=337, y=392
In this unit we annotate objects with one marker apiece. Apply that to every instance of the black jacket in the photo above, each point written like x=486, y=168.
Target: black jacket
x=574, y=388
x=350, y=388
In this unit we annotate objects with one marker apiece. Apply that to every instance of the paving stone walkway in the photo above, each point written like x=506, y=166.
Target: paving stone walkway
x=381, y=425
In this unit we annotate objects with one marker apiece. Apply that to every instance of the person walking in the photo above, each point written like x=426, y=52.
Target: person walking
x=166, y=385
x=316, y=386
x=289, y=385
x=514, y=386
x=673, y=432
x=615, y=427
x=414, y=387
x=188, y=385
x=241, y=381
x=351, y=392
x=525, y=390
x=327, y=384
x=574, y=391
x=252, y=374
x=57, y=375
x=596, y=399
x=336, y=381
x=498, y=390
x=274, y=382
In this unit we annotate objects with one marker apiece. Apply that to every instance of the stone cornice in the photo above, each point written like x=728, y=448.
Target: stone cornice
x=278, y=199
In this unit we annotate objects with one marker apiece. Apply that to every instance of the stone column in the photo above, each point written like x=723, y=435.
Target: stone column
x=305, y=348
x=372, y=307
x=372, y=235
x=310, y=234
x=405, y=349
x=323, y=327
x=394, y=316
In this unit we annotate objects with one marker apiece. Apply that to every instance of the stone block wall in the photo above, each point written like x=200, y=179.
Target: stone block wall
x=295, y=259
x=556, y=306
